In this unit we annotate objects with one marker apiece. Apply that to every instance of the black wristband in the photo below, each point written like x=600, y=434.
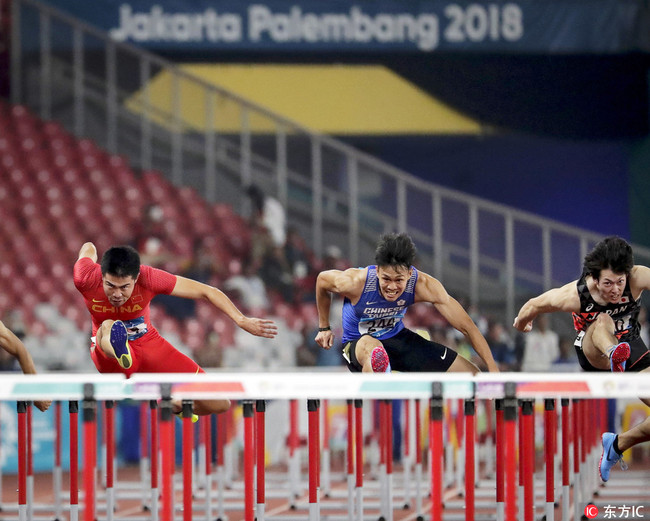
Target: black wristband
x=327, y=328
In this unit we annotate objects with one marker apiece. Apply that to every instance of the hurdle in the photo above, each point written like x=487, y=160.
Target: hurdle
x=513, y=394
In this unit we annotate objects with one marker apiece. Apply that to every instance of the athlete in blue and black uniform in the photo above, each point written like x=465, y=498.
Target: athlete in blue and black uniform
x=375, y=300
x=605, y=303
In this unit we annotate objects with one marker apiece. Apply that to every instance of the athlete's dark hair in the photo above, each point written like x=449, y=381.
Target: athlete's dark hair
x=395, y=249
x=121, y=261
x=611, y=253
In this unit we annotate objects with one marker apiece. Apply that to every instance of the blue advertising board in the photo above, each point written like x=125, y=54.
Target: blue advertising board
x=521, y=26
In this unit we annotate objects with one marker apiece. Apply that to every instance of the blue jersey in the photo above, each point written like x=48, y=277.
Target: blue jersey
x=373, y=314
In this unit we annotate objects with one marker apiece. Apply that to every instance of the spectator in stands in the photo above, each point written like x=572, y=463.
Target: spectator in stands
x=567, y=359
x=501, y=345
x=541, y=347
x=267, y=257
x=270, y=213
x=376, y=299
x=250, y=290
x=150, y=240
x=211, y=353
x=117, y=293
x=299, y=261
x=12, y=345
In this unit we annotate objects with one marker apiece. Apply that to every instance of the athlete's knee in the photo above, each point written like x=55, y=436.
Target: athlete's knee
x=604, y=321
x=105, y=327
x=364, y=349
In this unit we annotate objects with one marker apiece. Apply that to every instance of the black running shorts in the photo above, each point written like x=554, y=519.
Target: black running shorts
x=408, y=352
x=638, y=361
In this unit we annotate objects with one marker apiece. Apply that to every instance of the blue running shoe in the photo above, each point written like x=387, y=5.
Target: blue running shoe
x=609, y=457
x=120, y=344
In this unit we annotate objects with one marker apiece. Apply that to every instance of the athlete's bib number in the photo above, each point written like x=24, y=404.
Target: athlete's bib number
x=377, y=326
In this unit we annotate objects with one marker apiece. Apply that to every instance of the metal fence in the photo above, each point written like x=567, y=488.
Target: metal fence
x=138, y=105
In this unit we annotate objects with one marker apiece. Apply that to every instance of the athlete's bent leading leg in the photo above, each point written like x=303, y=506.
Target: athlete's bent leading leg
x=371, y=355
x=602, y=348
x=112, y=339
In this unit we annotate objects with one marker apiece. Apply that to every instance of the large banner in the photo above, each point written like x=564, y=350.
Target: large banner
x=521, y=26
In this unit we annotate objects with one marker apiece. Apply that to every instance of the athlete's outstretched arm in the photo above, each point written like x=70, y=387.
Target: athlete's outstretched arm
x=345, y=283
x=429, y=289
x=88, y=250
x=13, y=345
x=564, y=298
x=189, y=288
x=639, y=280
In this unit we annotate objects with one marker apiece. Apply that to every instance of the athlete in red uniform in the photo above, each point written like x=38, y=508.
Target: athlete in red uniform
x=117, y=293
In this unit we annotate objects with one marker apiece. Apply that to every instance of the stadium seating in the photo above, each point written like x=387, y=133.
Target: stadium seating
x=57, y=191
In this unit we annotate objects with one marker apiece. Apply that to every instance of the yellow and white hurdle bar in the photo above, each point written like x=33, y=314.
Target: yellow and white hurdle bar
x=512, y=394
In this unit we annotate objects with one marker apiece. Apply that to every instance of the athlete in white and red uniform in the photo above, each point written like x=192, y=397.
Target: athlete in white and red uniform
x=117, y=294
x=605, y=305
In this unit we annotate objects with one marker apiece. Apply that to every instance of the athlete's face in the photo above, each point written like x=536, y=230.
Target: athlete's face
x=118, y=289
x=610, y=285
x=392, y=281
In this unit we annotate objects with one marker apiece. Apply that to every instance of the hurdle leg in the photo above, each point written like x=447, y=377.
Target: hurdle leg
x=260, y=436
x=21, y=408
x=470, y=439
x=350, y=459
x=388, y=439
x=313, y=437
x=407, y=459
x=358, y=432
x=382, y=424
x=326, y=464
x=566, y=459
x=435, y=450
x=221, y=474
x=90, y=451
x=577, y=482
x=522, y=463
x=109, y=426
x=549, y=456
x=460, y=436
x=294, y=456
x=30, y=464
x=249, y=462
x=74, y=460
x=1, y=502
x=188, y=452
x=500, y=463
x=154, y=458
x=489, y=439
x=510, y=418
x=206, y=426
x=418, y=462
x=57, y=476
x=145, y=461
x=167, y=453
x=528, y=457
